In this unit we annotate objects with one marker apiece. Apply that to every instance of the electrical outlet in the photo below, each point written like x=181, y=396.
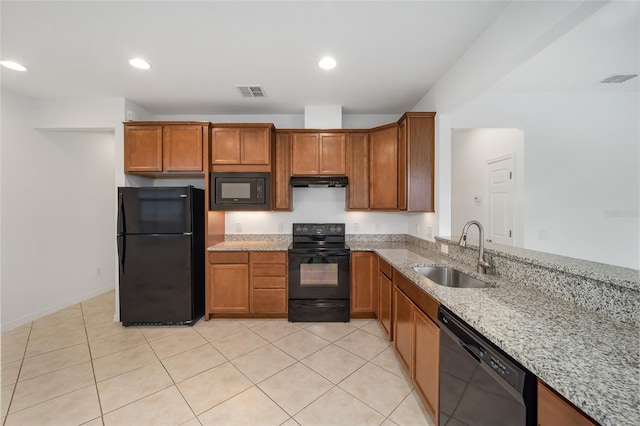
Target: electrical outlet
x=444, y=249
x=280, y=227
x=98, y=272
x=417, y=229
x=429, y=232
x=238, y=227
x=356, y=227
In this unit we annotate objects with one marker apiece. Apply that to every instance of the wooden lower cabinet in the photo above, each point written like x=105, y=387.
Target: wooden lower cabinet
x=247, y=283
x=268, y=282
x=385, y=289
x=229, y=288
x=363, y=271
x=553, y=410
x=403, y=327
x=425, y=370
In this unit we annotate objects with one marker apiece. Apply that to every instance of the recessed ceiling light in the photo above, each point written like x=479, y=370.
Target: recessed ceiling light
x=140, y=63
x=327, y=63
x=13, y=65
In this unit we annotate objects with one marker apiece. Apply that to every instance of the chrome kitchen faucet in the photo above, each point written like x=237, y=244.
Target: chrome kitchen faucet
x=482, y=265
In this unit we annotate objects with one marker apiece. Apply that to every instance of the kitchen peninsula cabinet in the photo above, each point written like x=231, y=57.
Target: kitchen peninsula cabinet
x=383, y=169
x=228, y=286
x=385, y=297
x=314, y=153
x=402, y=327
x=417, y=339
x=160, y=149
x=358, y=171
x=282, y=172
x=425, y=371
x=237, y=147
x=553, y=410
x=363, y=270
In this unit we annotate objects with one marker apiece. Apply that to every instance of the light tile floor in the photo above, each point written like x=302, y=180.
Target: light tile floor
x=78, y=367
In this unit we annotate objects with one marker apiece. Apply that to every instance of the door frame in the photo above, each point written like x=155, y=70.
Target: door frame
x=517, y=238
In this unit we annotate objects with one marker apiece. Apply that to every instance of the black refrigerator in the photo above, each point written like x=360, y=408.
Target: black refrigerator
x=160, y=241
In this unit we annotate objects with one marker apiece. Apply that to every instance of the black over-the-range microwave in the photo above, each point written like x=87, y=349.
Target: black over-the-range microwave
x=240, y=191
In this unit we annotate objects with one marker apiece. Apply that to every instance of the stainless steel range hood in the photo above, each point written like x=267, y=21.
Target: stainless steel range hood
x=319, y=181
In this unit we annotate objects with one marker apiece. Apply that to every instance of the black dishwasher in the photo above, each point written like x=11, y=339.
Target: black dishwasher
x=479, y=383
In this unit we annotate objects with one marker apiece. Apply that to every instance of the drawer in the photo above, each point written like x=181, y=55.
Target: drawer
x=269, y=301
x=229, y=257
x=269, y=256
x=269, y=282
x=268, y=270
x=384, y=267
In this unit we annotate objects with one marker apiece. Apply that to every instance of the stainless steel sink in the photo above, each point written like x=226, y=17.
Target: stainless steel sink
x=450, y=277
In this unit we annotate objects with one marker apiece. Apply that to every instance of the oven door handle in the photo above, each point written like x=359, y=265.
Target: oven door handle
x=312, y=253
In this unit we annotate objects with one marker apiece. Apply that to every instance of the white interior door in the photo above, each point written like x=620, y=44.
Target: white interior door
x=500, y=196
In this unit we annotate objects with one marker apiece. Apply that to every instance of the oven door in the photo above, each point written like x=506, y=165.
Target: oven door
x=317, y=274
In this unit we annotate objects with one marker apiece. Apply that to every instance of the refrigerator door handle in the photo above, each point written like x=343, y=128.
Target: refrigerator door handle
x=121, y=221
x=187, y=233
x=183, y=195
x=122, y=250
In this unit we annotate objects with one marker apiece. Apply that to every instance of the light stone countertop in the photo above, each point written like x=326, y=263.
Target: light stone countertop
x=265, y=245
x=590, y=359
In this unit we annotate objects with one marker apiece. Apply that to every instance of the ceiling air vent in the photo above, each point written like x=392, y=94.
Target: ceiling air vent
x=251, y=91
x=618, y=78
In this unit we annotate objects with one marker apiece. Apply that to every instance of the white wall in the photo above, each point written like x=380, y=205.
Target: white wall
x=581, y=169
x=316, y=205
x=470, y=151
x=287, y=121
x=58, y=198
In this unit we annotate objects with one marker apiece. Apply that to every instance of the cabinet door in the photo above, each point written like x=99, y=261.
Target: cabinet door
x=281, y=186
x=304, y=153
x=182, y=148
x=386, y=299
x=143, y=149
x=225, y=145
x=426, y=361
x=269, y=301
x=255, y=146
x=402, y=165
x=402, y=326
x=358, y=171
x=555, y=411
x=229, y=288
x=362, y=277
x=332, y=154
x=383, y=157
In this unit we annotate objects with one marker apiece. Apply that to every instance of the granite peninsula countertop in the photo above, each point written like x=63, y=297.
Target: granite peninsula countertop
x=591, y=359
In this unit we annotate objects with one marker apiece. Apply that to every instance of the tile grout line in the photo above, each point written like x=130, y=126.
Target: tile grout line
x=93, y=371
x=15, y=386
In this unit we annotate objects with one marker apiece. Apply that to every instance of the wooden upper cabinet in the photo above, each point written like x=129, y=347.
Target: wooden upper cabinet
x=225, y=145
x=416, y=153
x=318, y=153
x=241, y=145
x=159, y=148
x=255, y=146
x=143, y=148
x=332, y=154
x=358, y=171
x=282, y=172
x=304, y=153
x=383, y=169
x=182, y=148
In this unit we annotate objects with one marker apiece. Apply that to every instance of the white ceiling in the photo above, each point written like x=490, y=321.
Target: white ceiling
x=389, y=53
